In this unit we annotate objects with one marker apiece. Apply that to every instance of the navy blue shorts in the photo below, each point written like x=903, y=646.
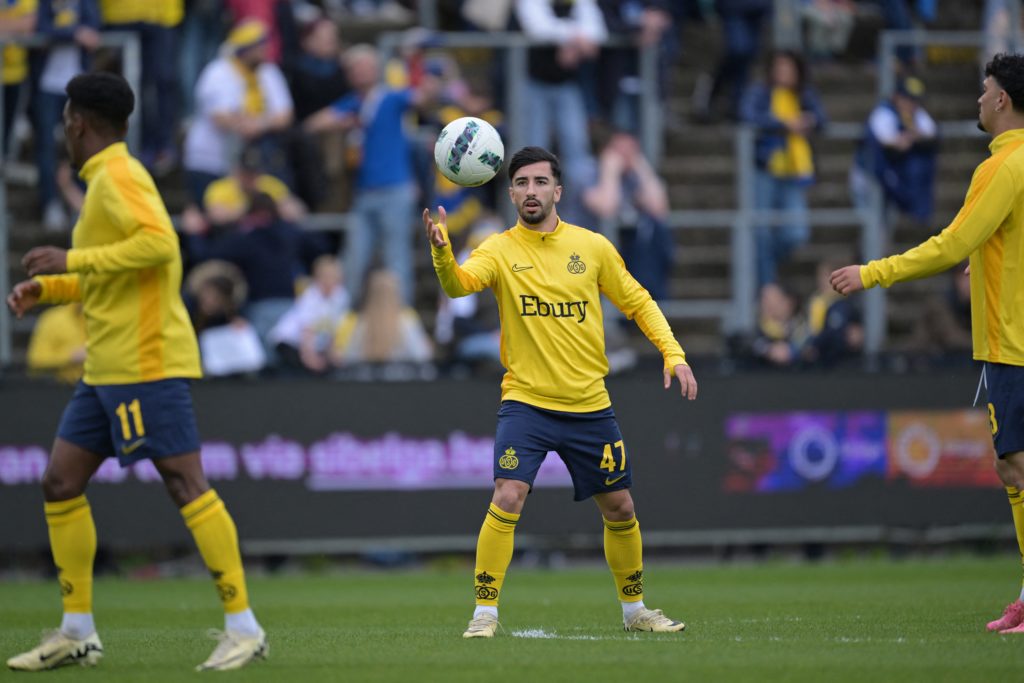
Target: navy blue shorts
x=1006, y=406
x=590, y=445
x=132, y=421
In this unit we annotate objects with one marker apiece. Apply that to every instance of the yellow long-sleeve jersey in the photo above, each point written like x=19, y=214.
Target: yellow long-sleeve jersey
x=125, y=268
x=548, y=288
x=990, y=229
x=162, y=12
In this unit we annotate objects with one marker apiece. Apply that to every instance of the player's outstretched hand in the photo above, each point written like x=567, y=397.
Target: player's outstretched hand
x=24, y=296
x=45, y=261
x=846, y=280
x=687, y=383
x=434, y=232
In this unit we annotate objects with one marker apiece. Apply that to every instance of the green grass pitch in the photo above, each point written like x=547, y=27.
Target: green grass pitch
x=856, y=620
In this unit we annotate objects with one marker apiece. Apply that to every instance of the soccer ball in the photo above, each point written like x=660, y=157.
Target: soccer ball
x=469, y=151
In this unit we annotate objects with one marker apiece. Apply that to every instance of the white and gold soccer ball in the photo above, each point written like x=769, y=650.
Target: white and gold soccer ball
x=469, y=151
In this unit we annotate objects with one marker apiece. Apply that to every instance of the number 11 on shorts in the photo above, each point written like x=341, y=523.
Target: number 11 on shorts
x=608, y=459
x=135, y=408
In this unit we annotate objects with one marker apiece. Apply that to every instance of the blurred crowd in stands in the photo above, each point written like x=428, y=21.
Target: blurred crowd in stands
x=256, y=118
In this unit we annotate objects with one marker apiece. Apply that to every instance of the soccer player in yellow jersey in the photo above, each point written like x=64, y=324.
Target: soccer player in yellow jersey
x=990, y=229
x=133, y=402
x=548, y=277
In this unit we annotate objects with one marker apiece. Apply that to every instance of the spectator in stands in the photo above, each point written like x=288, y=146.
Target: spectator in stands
x=384, y=330
x=227, y=199
x=228, y=344
x=833, y=324
x=316, y=78
x=829, y=24
x=554, y=103
x=304, y=335
x=202, y=34
x=57, y=345
x=647, y=22
x=742, y=23
x=629, y=194
x=942, y=330
x=271, y=254
x=383, y=211
x=17, y=18
x=785, y=112
x=240, y=99
x=899, y=153
x=781, y=334
x=274, y=14
x=469, y=326
x=156, y=23
x=73, y=29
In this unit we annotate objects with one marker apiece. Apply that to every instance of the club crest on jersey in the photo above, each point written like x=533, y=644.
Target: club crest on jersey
x=509, y=461
x=576, y=266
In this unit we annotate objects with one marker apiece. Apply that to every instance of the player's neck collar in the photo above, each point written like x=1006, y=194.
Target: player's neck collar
x=536, y=235
x=114, y=149
x=1005, y=138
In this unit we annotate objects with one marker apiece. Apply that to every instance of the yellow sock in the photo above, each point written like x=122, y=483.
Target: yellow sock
x=73, y=543
x=217, y=539
x=493, y=554
x=624, y=551
x=1017, y=508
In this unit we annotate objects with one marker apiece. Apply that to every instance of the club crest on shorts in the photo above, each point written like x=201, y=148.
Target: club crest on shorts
x=575, y=265
x=509, y=461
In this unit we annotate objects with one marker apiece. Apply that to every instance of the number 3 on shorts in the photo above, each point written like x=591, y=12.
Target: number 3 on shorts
x=992, y=419
x=135, y=408
x=608, y=461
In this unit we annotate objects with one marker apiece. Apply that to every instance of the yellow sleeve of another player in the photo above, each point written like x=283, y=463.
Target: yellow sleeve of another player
x=622, y=289
x=989, y=199
x=476, y=274
x=151, y=238
x=59, y=289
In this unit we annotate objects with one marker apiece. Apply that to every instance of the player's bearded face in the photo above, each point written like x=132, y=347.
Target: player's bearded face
x=535, y=193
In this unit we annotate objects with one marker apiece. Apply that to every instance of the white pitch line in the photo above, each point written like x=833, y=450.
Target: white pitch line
x=548, y=635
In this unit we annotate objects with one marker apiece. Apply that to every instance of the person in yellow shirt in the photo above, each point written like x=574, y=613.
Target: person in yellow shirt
x=17, y=18
x=548, y=277
x=57, y=345
x=134, y=401
x=990, y=230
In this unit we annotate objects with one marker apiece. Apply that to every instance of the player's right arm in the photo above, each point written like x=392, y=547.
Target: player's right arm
x=989, y=199
x=44, y=289
x=475, y=274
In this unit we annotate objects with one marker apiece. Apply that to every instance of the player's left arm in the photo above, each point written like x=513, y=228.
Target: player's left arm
x=616, y=283
x=989, y=200
x=150, y=240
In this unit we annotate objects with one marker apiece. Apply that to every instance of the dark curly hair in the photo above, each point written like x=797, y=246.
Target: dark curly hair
x=105, y=98
x=533, y=155
x=1008, y=71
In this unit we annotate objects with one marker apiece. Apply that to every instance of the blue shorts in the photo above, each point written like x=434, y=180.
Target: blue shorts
x=590, y=445
x=132, y=421
x=1006, y=406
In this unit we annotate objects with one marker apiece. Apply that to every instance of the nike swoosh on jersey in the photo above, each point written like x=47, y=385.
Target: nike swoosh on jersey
x=516, y=268
x=609, y=482
x=128, y=449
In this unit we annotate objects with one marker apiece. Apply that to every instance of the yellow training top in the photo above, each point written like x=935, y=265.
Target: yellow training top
x=125, y=268
x=548, y=288
x=15, y=57
x=990, y=229
x=163, y=12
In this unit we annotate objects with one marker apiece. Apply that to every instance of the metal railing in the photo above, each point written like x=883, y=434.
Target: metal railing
x=131, y=65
